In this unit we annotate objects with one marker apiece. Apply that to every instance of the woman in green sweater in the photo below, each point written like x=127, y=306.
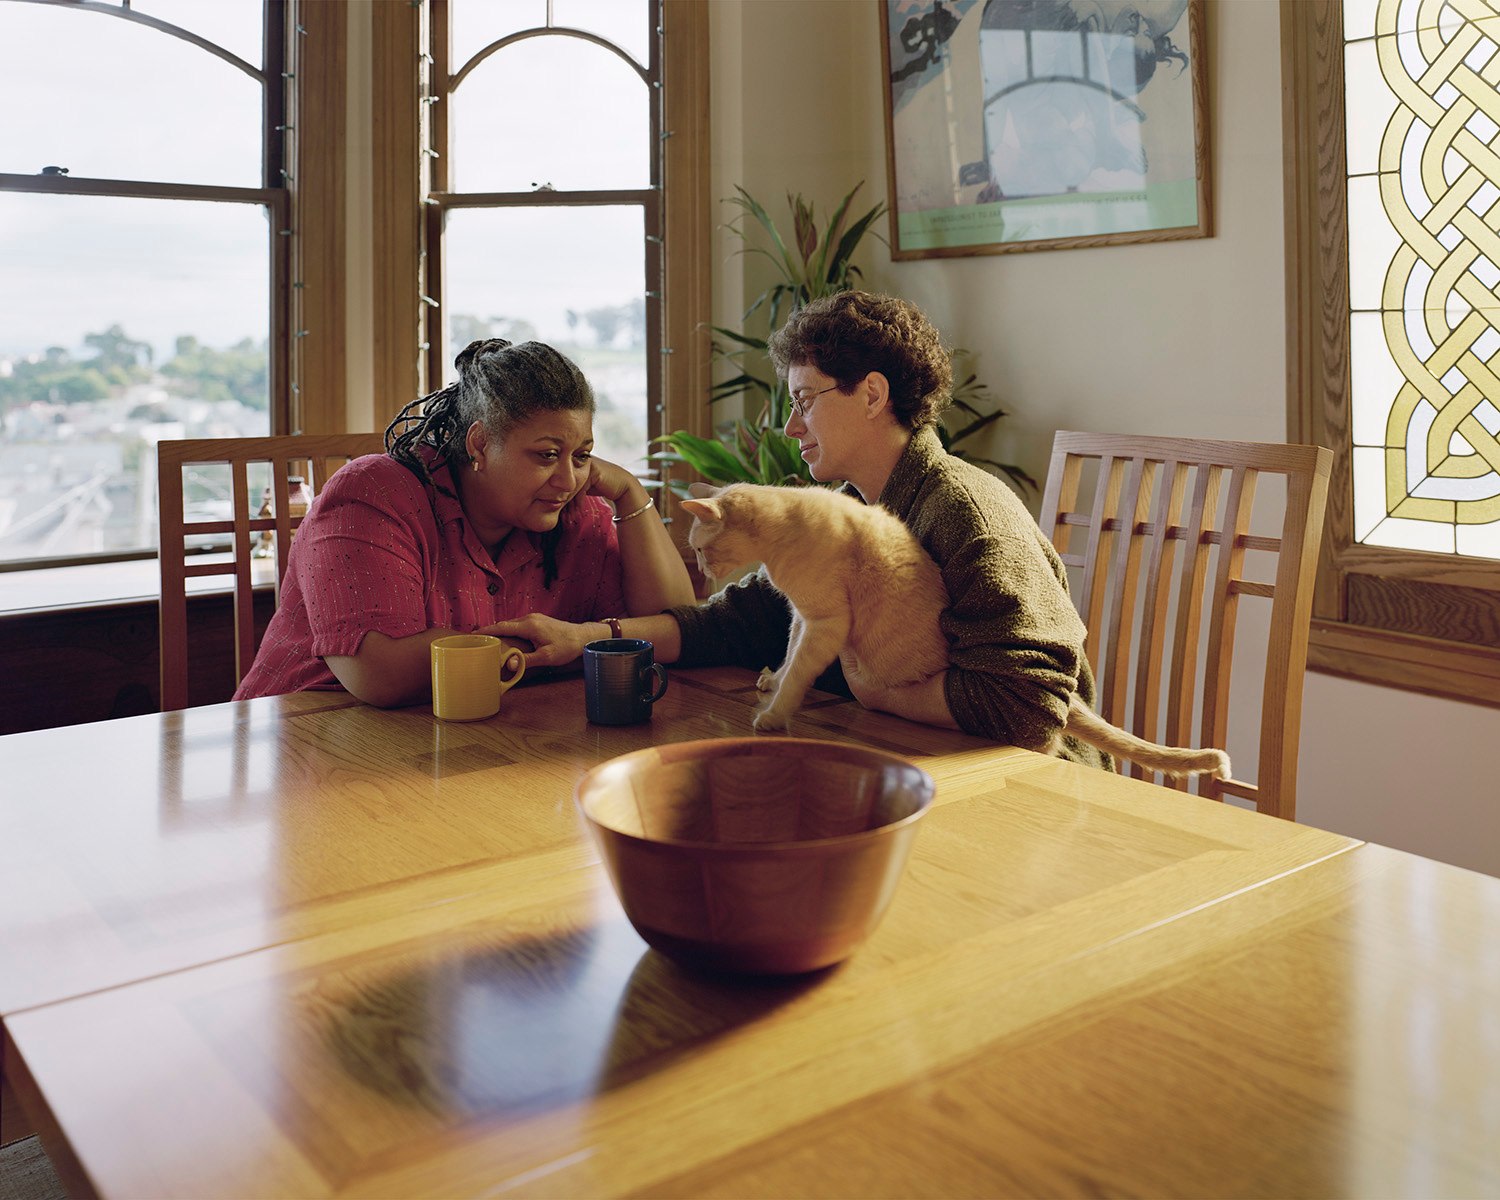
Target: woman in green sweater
x=869, y=377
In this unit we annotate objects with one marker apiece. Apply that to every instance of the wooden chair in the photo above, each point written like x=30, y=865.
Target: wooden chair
x=314, y=457
x=1165, y=557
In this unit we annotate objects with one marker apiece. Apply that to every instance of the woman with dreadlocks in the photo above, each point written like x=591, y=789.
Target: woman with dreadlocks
x=487, y=505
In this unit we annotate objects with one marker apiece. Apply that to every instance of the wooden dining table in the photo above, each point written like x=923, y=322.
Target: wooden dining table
x=302, y=947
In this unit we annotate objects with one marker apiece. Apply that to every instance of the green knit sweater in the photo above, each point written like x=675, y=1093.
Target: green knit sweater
x=1015, y=642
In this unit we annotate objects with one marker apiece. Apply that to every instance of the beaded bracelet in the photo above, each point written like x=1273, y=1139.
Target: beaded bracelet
x=618, y=520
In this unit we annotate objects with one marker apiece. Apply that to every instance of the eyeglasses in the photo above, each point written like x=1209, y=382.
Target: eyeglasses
x=800, y=404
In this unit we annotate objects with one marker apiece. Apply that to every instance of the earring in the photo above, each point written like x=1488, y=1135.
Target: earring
x=473, y=464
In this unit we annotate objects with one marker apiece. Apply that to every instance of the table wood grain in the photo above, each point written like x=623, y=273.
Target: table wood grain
x=340, y=951
x=138, y=846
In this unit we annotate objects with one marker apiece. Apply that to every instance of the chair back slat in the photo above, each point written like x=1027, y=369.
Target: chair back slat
x=1170, y=489
x=1162, y=573
x=1059, y=498
x=244, y=595
x=1131, y=507
x=172, y=613
x=316, y=457
x=1218, y=661
x=1296, y=573
x=281, y=514
x=1182, y=685
x=1096, y=558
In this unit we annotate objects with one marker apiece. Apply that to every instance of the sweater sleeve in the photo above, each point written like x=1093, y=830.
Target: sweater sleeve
x=1015, y=641
x=743, y=625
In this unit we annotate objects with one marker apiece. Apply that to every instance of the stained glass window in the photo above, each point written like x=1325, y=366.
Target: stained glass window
x=1422, y=98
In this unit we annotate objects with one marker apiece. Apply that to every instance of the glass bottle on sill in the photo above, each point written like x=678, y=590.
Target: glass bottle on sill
x=298, y=499
x=264, y=539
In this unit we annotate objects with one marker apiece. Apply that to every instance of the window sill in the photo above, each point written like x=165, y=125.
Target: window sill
x=96, y=584
x=1402, y=660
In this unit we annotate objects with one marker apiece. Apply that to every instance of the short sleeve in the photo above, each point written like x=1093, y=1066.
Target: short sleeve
x=362, y=557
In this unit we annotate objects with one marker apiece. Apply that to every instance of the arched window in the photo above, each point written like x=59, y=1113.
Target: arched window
x=142, y=199
x=545, y=201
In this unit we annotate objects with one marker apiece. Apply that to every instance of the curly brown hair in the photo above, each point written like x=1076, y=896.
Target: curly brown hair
x=849, y=334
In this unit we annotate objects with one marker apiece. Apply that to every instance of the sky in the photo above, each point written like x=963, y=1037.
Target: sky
x=102, y=97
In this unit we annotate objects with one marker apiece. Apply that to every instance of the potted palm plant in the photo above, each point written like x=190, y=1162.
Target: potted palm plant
x=753, y=448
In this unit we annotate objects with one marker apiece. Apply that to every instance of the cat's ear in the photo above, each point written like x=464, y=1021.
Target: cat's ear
x=704, y=510
x=702, y=491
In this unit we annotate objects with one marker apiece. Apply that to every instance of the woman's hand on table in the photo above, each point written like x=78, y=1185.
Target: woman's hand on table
x=554, y=643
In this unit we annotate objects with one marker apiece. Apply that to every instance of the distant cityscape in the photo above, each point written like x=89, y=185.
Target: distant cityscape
x=78, y=431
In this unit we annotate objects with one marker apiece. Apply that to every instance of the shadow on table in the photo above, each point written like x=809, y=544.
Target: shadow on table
x=537, y=1023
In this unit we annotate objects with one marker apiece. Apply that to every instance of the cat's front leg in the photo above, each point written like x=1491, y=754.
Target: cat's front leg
x=816, y=644
x=769, y=680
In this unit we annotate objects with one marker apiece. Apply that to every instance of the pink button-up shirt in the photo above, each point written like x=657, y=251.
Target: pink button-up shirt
x=381, y=551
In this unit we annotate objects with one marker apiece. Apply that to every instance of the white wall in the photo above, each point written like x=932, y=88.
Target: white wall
x=1169, y=338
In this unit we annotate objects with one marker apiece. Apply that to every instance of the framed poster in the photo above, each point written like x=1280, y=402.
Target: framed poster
x=1043, y=124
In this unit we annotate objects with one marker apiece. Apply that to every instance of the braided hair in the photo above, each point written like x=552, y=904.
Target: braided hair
x=500, y=385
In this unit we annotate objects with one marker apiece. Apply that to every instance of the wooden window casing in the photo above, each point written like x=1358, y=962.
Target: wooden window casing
x=445, y=76
x=675, y=207
x=276, y=75
x=1420, y=621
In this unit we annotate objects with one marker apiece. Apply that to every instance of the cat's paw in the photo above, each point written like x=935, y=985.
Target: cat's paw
x=767, y=680
x=770, y=720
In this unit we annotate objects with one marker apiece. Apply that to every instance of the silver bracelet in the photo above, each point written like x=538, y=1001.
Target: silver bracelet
x=632, y=515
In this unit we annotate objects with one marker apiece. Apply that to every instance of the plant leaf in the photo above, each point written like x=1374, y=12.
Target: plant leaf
x=733, y=387
x=746, y=339
x=786, y=456
x=753, y=448
x=753, y=206
x=710, y=459
x=803, y=227
x=962, y=406
x=823, y=269
x=765, y=463
x=851, y=238
x=975, y=426
x=746, y=441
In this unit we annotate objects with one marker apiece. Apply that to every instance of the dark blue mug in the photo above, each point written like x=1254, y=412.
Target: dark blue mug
x=621, y=681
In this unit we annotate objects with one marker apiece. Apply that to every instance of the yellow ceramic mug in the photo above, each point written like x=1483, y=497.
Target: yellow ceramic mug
x=469, y=675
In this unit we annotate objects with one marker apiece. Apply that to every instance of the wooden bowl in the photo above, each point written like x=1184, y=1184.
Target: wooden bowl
x=753, y=855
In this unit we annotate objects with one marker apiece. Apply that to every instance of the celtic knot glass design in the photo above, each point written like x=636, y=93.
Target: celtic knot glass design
x=1422, y=98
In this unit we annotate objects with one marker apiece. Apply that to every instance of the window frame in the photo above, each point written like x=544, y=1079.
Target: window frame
x=315, y=340
x=405, y=253
x=1409, y=619
x=441, y=199
x=274, y=194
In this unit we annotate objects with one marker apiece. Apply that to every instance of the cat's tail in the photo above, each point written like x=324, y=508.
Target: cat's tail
x=1088, y=726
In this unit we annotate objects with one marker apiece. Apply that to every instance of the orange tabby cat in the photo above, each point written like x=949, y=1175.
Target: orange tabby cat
x=861, y=586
